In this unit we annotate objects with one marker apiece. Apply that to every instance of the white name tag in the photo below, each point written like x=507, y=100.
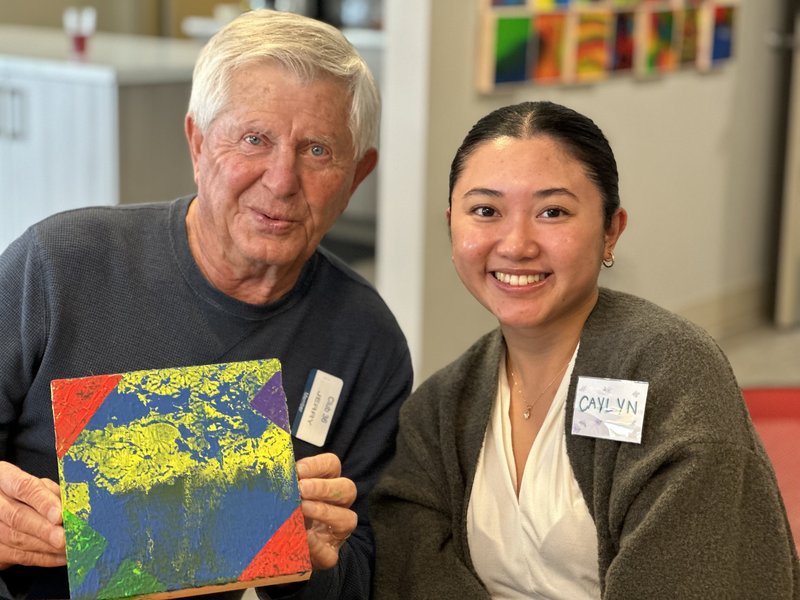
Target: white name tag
x=609, y=409
x=316, y=410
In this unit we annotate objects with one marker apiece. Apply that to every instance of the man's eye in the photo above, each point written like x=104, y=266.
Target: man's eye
x=317, y=150
x=252, y=139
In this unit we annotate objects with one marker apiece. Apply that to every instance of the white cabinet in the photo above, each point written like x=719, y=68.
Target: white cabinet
x=104, y=130
x=56, y=147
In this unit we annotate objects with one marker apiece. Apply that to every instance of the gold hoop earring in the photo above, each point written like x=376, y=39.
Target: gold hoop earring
x=609, y=262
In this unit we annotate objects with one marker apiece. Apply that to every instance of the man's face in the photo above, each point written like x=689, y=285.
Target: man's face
x=274, y=170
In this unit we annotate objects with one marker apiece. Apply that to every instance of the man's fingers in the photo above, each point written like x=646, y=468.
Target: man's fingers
x=330, y=528
x=325, y=465
x=52, y=486
x=323, y=555
x=340, y=491
x=24, y=520
x=17, y=556
x=17, y=539
x=337, y=521
x=43, y=498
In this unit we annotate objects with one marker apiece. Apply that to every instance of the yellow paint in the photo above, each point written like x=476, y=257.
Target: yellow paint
x=76, y=499
x=151, y=451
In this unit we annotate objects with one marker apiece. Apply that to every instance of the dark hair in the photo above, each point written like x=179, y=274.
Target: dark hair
x=577, y=133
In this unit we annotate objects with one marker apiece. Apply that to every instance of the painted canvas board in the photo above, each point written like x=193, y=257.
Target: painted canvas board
x=592, y=50
x=178, y=481
x=690, y=36
x=722, y=39
x=509, y=2
x=659, y=54
x=550, y=33
x=545, y=5
x=512, y=49
x=623, y=46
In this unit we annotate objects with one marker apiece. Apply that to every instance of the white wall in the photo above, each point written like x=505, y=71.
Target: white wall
x=697, y=155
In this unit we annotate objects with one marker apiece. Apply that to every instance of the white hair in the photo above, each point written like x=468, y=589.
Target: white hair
x=307, y=48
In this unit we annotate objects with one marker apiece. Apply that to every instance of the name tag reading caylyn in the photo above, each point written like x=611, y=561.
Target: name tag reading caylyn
x=313, y=419
x=609, y=409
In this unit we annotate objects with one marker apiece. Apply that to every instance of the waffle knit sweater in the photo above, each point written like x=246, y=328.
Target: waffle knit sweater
x=115, y=289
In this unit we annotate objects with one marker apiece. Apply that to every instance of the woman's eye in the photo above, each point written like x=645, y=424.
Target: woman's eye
x=552, y=213
x=253, y=140
x=485, y=211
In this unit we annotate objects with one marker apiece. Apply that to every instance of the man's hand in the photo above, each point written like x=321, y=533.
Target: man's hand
x=326, y=500
x=31, y=530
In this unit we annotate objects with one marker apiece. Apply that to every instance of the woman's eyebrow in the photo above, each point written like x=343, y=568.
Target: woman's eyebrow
x=556, y=191
x=545, y=193
x=481, y=191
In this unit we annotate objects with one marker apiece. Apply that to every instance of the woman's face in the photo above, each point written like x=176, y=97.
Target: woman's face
x=528, y=232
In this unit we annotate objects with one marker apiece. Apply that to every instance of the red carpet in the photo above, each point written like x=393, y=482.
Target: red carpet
x=776, y=416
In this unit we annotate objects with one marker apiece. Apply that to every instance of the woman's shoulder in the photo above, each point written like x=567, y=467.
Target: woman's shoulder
x=632, y=318
x=627, y=335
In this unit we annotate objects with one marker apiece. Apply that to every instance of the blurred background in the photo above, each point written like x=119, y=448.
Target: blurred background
x=708, y=161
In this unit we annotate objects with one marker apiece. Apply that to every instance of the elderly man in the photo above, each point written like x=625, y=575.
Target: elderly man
x=281, y=128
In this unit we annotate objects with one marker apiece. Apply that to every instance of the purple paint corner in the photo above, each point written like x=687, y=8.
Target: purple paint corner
x=270, y=401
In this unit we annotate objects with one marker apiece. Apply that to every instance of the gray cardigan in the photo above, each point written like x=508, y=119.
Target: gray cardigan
x=692, y=512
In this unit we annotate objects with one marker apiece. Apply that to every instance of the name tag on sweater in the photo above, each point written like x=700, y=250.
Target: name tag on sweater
x=609, y=409
x=313, y=419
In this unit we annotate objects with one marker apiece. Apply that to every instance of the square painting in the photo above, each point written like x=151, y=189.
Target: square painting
x=178, y=482
x=550, y=34
x=660, y=53
x=722, y=40
x=592, y=50
x=623, y=45
x=512, y=47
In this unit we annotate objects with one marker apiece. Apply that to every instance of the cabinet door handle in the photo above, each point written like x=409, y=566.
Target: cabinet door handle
x=17, y=113
x=5, y=112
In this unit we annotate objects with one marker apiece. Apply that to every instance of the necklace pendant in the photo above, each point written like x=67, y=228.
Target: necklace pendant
x=527, y=414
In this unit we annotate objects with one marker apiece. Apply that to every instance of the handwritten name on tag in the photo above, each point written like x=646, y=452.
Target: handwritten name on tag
x=610, y=409
x=316, y=410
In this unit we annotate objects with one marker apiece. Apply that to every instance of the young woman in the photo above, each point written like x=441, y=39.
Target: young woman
x=594, y=445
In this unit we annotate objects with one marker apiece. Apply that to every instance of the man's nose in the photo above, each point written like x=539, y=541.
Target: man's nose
x=281, y=174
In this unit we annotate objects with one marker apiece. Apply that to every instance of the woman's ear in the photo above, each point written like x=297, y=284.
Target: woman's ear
x=618, y=223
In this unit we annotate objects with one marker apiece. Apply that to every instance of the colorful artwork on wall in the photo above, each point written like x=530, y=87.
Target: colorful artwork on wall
x=512, y=49
x=660, y=54
x=178, y=482
x=690, y=32
x=592, y=52
x=578, y=41
x=722, y=38
x=549, y=30
x=623, y=45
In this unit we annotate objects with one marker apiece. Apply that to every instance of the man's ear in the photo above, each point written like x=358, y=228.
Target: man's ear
x=364, y=167
x=195, y=138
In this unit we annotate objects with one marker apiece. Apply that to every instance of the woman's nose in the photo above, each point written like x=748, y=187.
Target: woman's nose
x=518, y=239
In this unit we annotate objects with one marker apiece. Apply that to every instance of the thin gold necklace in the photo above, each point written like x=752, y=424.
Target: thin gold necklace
x=526, y=414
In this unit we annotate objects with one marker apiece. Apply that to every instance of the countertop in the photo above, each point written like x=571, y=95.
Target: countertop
x=126, y=59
